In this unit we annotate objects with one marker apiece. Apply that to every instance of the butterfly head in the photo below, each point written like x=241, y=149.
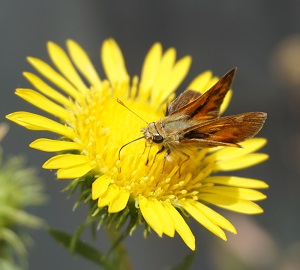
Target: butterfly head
x=152, y=135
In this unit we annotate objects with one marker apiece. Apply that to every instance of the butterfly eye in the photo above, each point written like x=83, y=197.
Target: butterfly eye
x=158, y=138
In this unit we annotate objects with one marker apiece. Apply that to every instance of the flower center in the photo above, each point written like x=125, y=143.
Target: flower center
x=104, y=126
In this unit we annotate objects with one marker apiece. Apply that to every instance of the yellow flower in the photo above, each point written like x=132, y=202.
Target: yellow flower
x=92, y=127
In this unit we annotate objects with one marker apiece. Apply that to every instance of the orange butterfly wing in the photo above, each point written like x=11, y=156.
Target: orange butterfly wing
x=183, y=99
x=224, y=131
x=195, y=106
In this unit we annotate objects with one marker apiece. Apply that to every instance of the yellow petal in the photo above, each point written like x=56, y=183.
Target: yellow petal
x=111, y=193
x=83, y=63
x=235, y=192
x=178, y=73
x=227, y=153
x=150, y=68
x=43, y=103
x=214, y=216
x=226, y=102
x=163, y=74
x=113, y=62
x=236, y=181
x=53, y=76
x=150, y=215
x=65, y=161
x=48, y=145
x=204, y=172
x=75, y=171
x=240, y=163
x=202, y=219
x=211, y=83
x=181, y=227
x=119, y=202
x=64, y=65
x=36, y=122
x=166, y=220
x=200, y=82
x=100, y=186
x=242, y=206
x=46, y=89
x=254, y=144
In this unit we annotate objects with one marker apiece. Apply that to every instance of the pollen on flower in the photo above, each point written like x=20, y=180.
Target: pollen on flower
x=94, y=127
x=167, y=180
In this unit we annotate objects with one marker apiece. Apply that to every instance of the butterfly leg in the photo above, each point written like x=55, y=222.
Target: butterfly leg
x=181, y=163
x=147, y=160
x=164, y=162
x=165, y=158
x=158, y=152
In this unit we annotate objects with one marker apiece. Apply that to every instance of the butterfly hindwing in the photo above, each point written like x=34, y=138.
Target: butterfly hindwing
x=183, y=99
x=229, y=130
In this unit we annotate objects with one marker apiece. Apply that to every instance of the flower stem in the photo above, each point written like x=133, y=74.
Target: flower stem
x=121, y=257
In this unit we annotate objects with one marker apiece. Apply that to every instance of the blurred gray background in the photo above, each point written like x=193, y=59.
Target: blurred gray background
x=261, y=38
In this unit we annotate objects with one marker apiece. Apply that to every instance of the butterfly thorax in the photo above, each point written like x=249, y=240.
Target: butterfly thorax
x=162, y=132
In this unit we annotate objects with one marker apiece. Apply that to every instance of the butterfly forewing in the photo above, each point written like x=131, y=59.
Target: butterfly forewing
x=206, y=106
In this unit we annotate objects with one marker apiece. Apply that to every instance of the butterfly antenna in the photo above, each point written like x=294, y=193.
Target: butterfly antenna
x=120, y=102
x=129, y=143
